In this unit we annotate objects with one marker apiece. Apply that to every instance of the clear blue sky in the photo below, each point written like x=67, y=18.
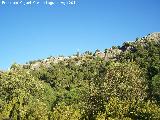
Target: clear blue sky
x=35, y=32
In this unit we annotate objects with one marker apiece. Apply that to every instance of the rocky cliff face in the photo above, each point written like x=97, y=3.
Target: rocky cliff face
x=112, y=53
x=108, y=54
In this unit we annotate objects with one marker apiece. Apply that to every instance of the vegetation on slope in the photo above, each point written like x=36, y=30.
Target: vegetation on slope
x=122, y=83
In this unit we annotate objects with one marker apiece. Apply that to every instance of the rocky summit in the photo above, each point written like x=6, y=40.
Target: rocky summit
x=108, y=54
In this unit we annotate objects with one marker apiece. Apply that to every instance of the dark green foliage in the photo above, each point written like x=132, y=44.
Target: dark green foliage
x=156, y=87
x=147, y=56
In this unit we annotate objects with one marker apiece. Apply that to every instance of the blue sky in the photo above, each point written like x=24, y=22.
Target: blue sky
x=38, y=31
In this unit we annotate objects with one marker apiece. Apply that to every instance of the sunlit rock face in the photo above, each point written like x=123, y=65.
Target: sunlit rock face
x=107, y=55
x=154, y=36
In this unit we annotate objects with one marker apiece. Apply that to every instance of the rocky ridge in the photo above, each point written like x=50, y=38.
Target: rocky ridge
x=108, y=54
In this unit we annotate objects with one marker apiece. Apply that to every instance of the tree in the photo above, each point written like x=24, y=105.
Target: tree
x=24, y=97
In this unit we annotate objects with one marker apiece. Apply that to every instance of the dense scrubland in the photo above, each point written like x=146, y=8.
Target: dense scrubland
x=121, y=83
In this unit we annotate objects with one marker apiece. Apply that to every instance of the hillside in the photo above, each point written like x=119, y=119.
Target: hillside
x=120, y=83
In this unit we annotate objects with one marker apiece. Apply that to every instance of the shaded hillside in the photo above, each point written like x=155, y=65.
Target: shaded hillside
x=120, y=83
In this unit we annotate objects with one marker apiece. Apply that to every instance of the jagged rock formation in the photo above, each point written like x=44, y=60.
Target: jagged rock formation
x=154, y=36
x=112, y=53
x=108, y=54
